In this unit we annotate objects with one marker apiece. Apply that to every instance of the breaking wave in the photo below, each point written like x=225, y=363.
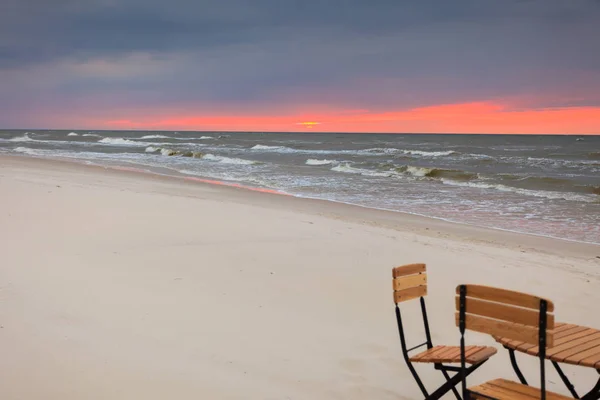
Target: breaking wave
x=347, y=168
x=26, y=150
x=24, y=138
x=553, y=195
x=146, y=137
x=119, y=142
x=428, y=153
x=91, y=135
x=393, y=170
x=312, y=161
x=228, y=160
x=271, y=148
x=73, y=134
x=196, y=154
x=474, y=180
x=376, y=151
x=155, y=137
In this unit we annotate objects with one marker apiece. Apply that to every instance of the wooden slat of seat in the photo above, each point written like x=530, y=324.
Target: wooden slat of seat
x=409, y=269
x=486, y=392
x=481, y=355
x=571, y=355
x=451, y=354
x=527, y=390
x=505, y=296
x=447, y=354
x=588, y=353
x=591, y=361
x=568, y=330
x=470, y=351
x=504, y=389
x=567, y=337
x=573, y=343
x=426, y=353
x=560, y=331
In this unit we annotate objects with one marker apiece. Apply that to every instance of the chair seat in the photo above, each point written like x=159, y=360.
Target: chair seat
x=451, y=354
x=505, y=389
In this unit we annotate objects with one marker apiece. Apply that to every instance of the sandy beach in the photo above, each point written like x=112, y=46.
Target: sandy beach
x=121, y=285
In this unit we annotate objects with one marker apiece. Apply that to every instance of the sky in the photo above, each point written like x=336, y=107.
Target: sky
x=444, y=66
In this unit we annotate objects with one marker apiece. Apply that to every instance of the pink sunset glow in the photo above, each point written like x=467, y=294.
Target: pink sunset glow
x=477, y=117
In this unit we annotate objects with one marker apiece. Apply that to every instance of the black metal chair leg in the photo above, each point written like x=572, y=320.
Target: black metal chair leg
x=452, y=382
x=565, y=380
x=513, y=361
x=417, y=379
x=453, y=387
x=593, y=394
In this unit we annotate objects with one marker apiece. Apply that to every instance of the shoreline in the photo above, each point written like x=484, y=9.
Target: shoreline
x=392, y=219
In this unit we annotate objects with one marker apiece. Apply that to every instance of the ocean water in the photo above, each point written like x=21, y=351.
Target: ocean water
x=543, y=185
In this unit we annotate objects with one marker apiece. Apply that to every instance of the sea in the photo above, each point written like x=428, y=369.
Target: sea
x=536, y=184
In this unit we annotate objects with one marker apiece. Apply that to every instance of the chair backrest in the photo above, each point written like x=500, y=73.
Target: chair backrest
x=410, y=282
x=508, y=314
x=505, y=313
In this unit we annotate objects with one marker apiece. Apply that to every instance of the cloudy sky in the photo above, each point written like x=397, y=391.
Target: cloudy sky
x=528, y=66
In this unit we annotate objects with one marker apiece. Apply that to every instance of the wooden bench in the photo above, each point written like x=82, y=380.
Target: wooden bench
x=512, y=315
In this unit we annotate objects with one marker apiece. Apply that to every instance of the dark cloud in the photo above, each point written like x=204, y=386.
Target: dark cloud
x=378, y=53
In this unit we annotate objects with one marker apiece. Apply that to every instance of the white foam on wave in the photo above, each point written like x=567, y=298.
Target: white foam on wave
x=263, y=147
x=73, y=134
x=167, y=152
x=418, y=171
x=170, y=137
x=312, y=161
x=428, y=153
x=91, y=135
x=119, y=142
x=153, y=137
x=151, y=149
x=375, y=151
x=26, y=150
x=24, y=138
x=347, y=168
x=527, y=192
x=228, y=160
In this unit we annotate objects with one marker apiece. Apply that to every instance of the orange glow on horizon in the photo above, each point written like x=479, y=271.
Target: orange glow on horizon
x=475, y=117
x=309, y=124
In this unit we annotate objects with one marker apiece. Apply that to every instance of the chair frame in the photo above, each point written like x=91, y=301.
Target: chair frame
x=451, y=382
x=593, y=394
x=542, y=330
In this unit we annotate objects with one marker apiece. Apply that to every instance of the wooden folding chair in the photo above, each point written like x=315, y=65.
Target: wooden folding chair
x=410, y=282
x=513, y=315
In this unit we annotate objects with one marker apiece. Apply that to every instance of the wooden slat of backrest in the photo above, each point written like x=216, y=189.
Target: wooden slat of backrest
x=409, y=269
x=409, y=294
x=504, y=312
x=505, y=296
x=406, y=282
x=505, y=329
